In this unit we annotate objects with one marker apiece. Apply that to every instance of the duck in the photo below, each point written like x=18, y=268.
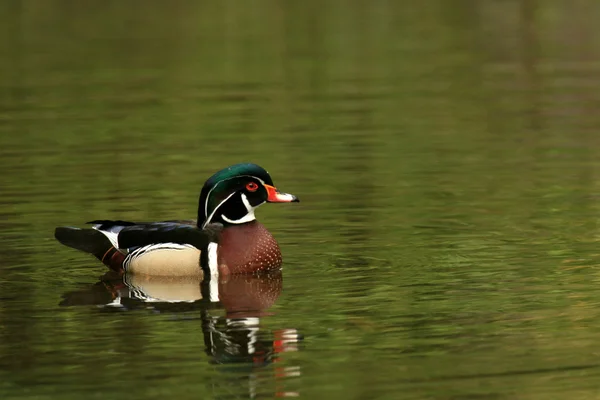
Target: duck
x=225, y=239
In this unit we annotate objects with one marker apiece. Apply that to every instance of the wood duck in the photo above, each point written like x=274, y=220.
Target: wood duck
x=225, y=239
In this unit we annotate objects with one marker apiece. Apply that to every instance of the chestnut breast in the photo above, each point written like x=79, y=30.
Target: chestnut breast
x=248, y=248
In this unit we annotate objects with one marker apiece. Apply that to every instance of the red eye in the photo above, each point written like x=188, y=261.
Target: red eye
x=251, y=186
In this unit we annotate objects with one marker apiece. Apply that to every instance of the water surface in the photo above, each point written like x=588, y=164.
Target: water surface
x=447, y=161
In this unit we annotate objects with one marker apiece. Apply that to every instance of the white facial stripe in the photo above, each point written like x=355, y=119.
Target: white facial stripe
x=217, y=184
x=249, y=207
x=246, y=218
x=244, y=199
x=215, y=210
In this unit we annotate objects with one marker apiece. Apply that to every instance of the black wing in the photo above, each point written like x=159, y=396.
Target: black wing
x=168, y=232
x=106, y=224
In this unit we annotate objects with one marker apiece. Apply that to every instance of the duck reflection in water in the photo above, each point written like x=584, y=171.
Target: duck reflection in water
x=232, y=338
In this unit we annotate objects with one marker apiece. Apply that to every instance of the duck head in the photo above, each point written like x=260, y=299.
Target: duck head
x=231, y=195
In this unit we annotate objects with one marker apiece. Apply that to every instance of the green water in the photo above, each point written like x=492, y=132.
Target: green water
x=446, y=155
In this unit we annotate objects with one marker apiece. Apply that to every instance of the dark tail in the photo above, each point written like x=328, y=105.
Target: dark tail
x=93, y=242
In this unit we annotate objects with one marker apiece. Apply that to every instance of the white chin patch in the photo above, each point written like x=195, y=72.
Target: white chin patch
x=246, y=218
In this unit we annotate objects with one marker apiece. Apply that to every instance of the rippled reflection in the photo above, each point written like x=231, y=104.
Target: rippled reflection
x=235, y=338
